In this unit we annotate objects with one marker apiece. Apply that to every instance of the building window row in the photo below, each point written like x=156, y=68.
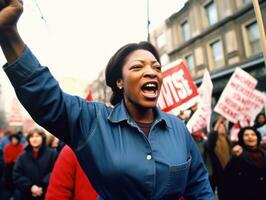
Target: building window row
x=210, y=17
x=216, y=51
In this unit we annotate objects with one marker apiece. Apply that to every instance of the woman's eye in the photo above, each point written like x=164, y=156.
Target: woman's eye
x=159, y=68
x=136, y=67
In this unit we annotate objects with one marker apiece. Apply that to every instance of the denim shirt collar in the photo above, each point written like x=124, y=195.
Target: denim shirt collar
x=120, y=113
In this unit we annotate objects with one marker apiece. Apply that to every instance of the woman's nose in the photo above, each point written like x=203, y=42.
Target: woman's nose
x=150, y=72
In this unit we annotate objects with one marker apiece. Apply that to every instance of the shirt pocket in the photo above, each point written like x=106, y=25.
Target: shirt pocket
x=177, y=178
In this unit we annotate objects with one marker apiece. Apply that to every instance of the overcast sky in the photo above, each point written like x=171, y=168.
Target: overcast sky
x=76, y=38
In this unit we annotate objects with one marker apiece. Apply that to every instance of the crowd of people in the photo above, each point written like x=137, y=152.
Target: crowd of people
x=236, y=162
x=37, y=165
x=130, y=150
x=31, y=162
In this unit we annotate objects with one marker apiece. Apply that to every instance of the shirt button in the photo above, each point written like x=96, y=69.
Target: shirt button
x=148, y=157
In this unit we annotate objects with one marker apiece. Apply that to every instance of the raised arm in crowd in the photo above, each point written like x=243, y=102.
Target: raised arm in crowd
x=131, y=150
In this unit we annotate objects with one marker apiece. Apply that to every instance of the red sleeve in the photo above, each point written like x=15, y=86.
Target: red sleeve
x=83, y=189
x=61, y=184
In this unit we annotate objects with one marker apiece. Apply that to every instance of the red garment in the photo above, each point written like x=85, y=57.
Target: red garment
x=11, y=153
x=257, y=155
x=35, y=154
x=68, y=181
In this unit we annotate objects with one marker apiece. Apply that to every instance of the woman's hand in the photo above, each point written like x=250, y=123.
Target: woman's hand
x=10, y=11
x=237, y=150
x=36, y=191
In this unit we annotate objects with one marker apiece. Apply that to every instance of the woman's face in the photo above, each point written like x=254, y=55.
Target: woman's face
x=14, y=141
x=221, y=128
x=141, y=79
x=55, y=143
x=261, y=119
x=250, y=138
x=35, y=140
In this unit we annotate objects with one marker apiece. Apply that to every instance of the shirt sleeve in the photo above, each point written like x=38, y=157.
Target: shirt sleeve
x=40, y=94
x=198, y=186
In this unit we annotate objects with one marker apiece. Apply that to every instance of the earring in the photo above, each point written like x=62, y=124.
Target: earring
x=120, y=87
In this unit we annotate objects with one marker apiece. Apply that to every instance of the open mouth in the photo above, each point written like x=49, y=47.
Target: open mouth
x=150, y=89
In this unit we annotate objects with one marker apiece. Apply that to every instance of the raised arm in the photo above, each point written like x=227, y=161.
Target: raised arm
x=68, y=117
x=10, y=40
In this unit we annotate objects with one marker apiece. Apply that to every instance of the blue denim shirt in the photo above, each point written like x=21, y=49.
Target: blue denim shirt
x=119, y=160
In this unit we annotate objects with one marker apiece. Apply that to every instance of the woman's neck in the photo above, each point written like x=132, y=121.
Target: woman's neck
x=252, y=148
x=35, y=149
x=141, y=114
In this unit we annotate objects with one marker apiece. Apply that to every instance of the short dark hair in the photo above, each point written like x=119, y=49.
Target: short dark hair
x=241, y=134
x=15, y=135
x=113, y=71
x=257, y=119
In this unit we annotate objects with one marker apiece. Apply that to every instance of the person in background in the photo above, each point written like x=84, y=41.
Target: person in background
x=198, y=136
x=32, y=170
x=130, y=151
x=219, y=150
x=2, y=134
x=68, y=181
x=245, y=174
x=260, y=124
x=1, y=175
x=11, y=153
x=54, y=143
x=5, y=139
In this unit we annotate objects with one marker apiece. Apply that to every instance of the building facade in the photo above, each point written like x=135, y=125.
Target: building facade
x=215, y=34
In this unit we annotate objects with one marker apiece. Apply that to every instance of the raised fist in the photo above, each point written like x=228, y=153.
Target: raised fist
x=10, y=11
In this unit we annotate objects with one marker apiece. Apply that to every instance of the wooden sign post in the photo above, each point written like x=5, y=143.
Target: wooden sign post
x=261, y=27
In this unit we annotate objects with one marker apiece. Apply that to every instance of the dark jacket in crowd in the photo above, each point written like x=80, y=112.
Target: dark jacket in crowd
x=30, y=171
x=1, y=163
x=216, y=171
x=244, y=180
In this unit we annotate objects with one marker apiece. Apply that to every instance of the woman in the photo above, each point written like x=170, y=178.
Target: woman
x=260, y=124
x=129, y=151
x=68, y=181
x=54, y=143
x=33, y=168
x=11, y=153
x=245, y=174
x=218, y=148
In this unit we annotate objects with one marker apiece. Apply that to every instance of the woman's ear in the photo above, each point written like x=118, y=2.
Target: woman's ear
x=120, y=84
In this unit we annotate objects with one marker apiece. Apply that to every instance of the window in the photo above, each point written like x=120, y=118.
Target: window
x=217, y=55
x=253, y=38
x=185, y=30
x=211, y=13
x=161, y=40
x=190, y=62
x=245, y=2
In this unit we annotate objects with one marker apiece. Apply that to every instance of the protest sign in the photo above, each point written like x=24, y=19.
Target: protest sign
x=178, y=91
x=240, y=101
x=201, y=118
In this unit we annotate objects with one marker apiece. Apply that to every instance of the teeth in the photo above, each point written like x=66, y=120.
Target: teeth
x=150, y=85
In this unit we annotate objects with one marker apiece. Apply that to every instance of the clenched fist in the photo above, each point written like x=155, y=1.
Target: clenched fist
x=10, y=11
